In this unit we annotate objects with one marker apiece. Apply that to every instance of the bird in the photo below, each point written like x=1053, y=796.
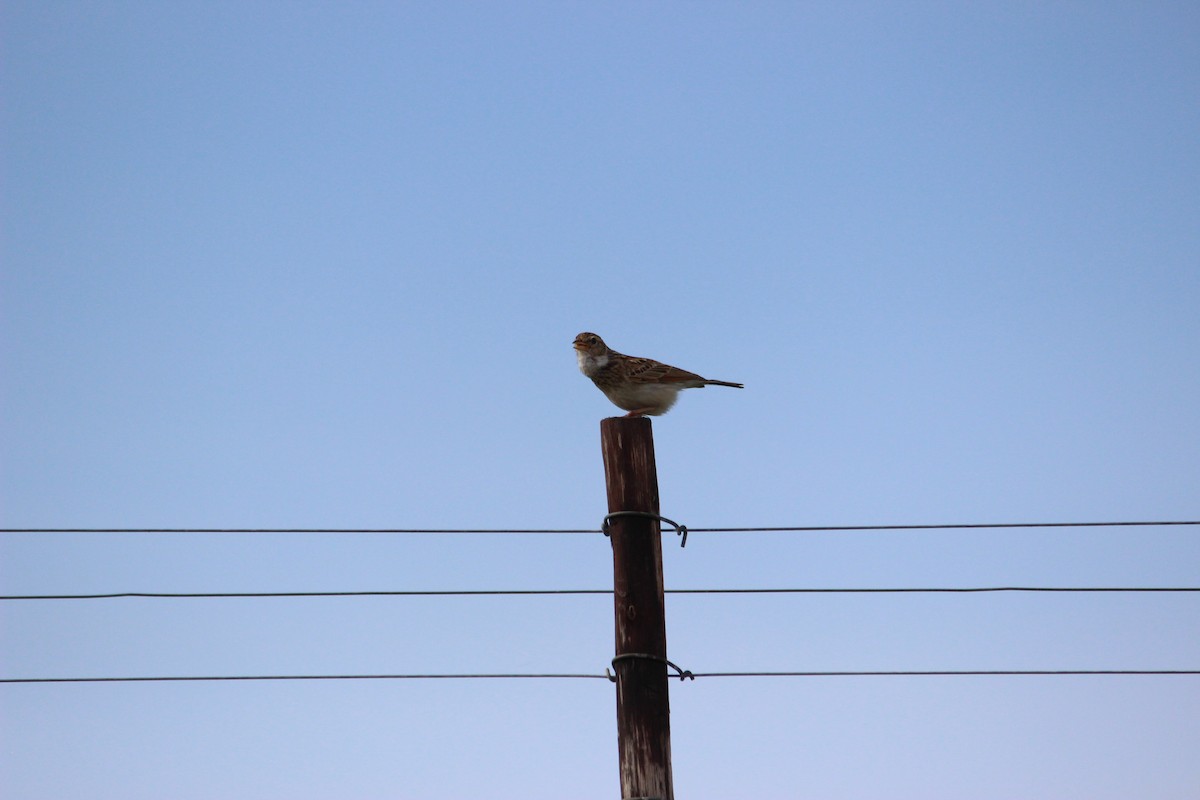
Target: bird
x=641, y=386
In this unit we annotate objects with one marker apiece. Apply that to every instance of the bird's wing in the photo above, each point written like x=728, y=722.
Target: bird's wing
x=647, y=370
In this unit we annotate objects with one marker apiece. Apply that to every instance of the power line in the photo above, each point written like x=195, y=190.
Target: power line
x=943, y=673
x=299, y=530
x=956, y=526
x=942, y=590
x=590, y=676
x=252, y=678
x=404, y=593
x=551, y=592
x=781, y=529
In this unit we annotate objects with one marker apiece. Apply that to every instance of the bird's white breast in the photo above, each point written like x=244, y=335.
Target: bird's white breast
x=588, y=364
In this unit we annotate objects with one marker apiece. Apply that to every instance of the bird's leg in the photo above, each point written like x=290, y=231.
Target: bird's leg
x=639, y=412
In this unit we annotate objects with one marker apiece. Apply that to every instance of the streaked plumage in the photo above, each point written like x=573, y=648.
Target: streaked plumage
x=639, y=385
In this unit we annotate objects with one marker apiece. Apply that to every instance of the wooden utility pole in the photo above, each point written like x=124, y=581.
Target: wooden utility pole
x=643, y=710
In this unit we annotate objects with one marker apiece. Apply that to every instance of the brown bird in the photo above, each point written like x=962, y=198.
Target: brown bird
x=638, y=385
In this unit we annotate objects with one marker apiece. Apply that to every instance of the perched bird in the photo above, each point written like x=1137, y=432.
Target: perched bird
x=638, y=385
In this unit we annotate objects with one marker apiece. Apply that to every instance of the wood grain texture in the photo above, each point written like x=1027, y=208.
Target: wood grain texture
x=643, y=708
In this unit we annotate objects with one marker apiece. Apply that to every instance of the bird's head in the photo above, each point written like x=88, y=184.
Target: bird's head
x=590, y=344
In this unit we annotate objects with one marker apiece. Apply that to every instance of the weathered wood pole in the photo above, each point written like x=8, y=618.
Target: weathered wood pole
x=643, y=710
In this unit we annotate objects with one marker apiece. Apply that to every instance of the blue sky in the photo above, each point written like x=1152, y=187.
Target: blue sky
x=305, y=265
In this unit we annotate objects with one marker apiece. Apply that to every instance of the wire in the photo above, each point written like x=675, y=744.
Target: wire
x=944, y=590
x=549, y=676
x=184, y=678
x=299, y=530
x=535, y=592
x=963, y=526
x=943, y=673
x=412, y=593
x=802, y=529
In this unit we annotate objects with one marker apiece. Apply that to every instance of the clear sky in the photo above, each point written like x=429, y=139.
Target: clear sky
x=320, y=265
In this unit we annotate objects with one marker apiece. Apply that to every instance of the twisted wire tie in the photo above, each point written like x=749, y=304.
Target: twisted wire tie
x=681, y=530
x=683, y=674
